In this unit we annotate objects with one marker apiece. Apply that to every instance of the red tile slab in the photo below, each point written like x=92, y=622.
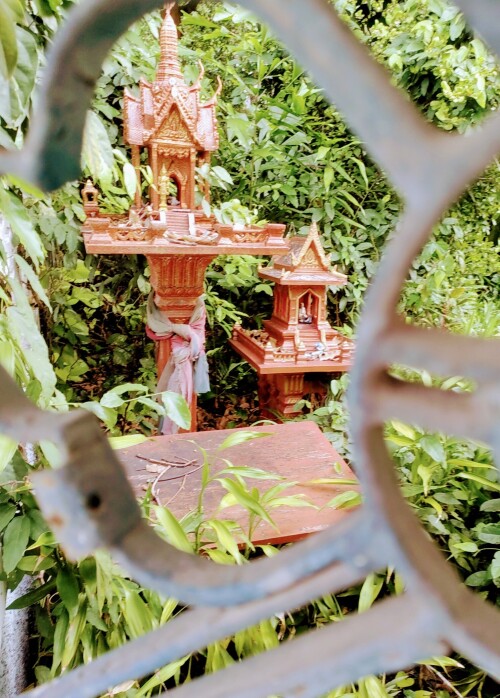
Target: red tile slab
x=297, y=451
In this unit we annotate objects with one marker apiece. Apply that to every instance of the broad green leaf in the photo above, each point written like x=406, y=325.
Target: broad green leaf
x=425, y=474
x=97, y=151
x=245, y=499
x=161, y=676
x=111, y=400
x=7, y=449
x=369, y=591
x=33, y=280
x=7, y=513
x=15, y=542
x=52, y=453
x=176, y=409
x=495, y=566
x=346, y=500
x=226, y=538
x=490, y=533
x=433, y=446
x=465, y=547
x=130, y=179
x=24, y=329
x=8, y=42
x=35, y=563
x=8, y=357
x=128, y=388
x=241, y=437
x=118, y=442
x=32, y=597
x=16, y=215
x=478, y=579
x=137, y=615
x=22, y=84
x=15, y=9
x=90, y=298
x=105, y=414
x=46, y=538
x=173, y=529
x=222, y=174
x=491, y=505
x=74, y=635
x=403, y=429
x=328, y=177
x=152, y=404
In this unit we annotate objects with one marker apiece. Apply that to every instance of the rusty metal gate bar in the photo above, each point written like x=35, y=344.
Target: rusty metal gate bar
x=89, y=503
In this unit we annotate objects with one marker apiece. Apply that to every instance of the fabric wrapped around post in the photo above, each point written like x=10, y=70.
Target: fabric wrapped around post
x=186, y=371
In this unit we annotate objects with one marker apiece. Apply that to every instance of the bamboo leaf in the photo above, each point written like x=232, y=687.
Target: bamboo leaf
x=118, y=442
x=241, y=437
x=68, y=589
x=173, y=529
x=481, y=480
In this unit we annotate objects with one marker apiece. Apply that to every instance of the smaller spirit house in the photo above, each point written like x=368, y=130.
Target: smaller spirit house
x=298, y=339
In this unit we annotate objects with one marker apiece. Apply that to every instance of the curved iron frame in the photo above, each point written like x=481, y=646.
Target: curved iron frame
x=89, y=502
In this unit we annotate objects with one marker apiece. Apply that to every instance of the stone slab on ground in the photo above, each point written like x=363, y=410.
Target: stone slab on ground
x=297, y=451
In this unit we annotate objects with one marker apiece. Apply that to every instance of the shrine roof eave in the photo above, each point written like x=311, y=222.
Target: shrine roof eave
x=99, y=244
x=160, y=142
x=282, y=278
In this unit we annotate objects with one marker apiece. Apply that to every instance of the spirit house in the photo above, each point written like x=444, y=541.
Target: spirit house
x=298, y=339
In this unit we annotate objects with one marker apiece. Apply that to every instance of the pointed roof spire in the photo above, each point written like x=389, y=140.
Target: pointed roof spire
x=313, y=238
x=169, y=65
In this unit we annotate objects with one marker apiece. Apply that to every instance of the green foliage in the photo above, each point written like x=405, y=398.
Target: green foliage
x=449, y=74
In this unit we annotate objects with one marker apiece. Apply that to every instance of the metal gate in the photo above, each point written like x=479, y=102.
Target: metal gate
x=89, y=503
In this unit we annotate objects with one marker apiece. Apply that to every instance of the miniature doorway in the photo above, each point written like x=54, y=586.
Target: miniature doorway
x=174, y=197
x=308, y=305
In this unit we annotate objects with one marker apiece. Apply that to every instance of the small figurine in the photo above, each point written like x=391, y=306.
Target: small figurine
x=305, y=318
x=173, y=201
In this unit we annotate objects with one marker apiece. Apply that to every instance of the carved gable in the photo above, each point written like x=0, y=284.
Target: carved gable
x=312, y=259
x=174, y=128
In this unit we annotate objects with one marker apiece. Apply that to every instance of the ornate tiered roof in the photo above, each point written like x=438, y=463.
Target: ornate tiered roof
x=192, y=121
x=304, y=262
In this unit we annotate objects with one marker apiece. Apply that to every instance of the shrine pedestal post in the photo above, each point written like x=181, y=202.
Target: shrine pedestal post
x=178, y=282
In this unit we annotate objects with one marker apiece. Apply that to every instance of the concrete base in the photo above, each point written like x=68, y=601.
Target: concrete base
x=14, y=651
